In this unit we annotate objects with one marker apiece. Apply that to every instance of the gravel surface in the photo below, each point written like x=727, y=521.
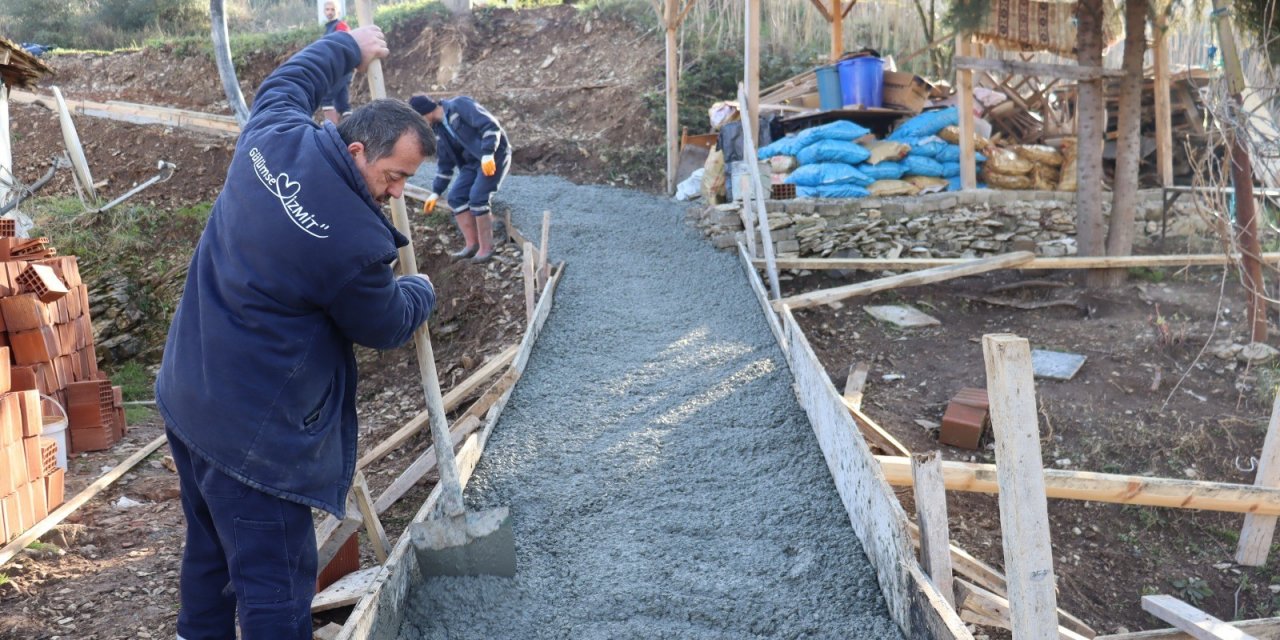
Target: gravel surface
x=663, y=481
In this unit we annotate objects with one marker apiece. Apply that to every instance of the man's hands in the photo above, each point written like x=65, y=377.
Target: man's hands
x=488, y=166
x=430, y=204
x=373, y=45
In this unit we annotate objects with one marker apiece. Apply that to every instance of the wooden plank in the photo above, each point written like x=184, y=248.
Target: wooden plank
x=424, y=464
x=933, y=614
x=964, y=77
x=1261, y=628
x=1039, y=69
x=876, y=435
x=530, y=285
x=757, y=287
x=1111, y=488
x=931, y=513
x=1024, y=512
x=328, y=632
x=544, y=270
x=52, y=520
x=456, y=395
x=332, y=533
x=372, y=525
x=672, y=78
x=6, y=144
x=137, y=113
x=1081, y=262
x=1163, y=109
x=1199, y=624
x=749, y=103
x=927, y=276
x=346, y=591
x=1258, y=530
x=979, y=606
x=757, y=185
x=854, y=384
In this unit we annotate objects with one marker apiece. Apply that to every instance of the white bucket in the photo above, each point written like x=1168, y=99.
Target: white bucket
x=56, y=428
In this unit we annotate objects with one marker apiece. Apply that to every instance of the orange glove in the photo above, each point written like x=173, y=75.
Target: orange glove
x=430, y=204
x=488, y=166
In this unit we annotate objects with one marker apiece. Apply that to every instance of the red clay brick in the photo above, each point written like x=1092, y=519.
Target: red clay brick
x=53, y=489
x=37, y=345
x=24, y=313
x=35, y=461
x=13, y=514
x=10, y=420
x=963, y=426
x=346, y=561
x=48, y=455
x=25, y=496
x=16, y=460
x=32, y=415
x=22, y=378
x=41, y=280
x=38, y=500
x=5, y=536
x=121, y=427
x=93, y=438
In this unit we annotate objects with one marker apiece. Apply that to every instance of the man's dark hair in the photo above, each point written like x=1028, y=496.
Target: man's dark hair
x=379, y=124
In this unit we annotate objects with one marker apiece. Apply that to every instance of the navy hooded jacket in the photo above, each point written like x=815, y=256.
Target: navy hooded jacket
x=293, y=267
x=472, y=133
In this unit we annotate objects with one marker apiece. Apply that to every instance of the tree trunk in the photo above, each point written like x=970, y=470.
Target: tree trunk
x=1091, y=117
x=1124, y=192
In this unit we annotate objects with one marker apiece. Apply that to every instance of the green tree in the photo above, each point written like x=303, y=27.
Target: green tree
x=44, y=21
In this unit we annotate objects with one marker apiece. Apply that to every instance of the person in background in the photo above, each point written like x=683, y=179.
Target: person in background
x=471, y=143
x=337, y=104
x=257, y=385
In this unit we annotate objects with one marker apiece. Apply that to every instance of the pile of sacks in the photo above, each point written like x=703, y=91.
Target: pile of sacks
x=1031, y=166
x=842, y=159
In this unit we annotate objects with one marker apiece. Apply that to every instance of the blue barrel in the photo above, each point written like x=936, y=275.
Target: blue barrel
x=862, y=81
x=829, y=95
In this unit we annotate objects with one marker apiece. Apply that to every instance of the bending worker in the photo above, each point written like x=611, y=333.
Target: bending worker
x=470, y=141
x=258, y=383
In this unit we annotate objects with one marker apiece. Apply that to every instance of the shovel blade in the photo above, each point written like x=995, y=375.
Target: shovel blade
x=477, y=543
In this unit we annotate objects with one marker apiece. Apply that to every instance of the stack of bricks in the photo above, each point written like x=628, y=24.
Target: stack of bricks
x=31, y=483
x=44, y=320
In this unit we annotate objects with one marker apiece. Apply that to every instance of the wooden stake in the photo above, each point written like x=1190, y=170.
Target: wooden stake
x=1258, y=530
x=938, y=274
x=1024, y=514
x=757, y=186
x=964, y=78
x=52, y=520
x=544, y=259
x=1190, y=619
x=931, y=512
x=6, y=149
x=1164, y=113
x=530, y=283
x=750, y=105
x=673, y=82
x=854, y=384
x=837, y=30
x=372, y=525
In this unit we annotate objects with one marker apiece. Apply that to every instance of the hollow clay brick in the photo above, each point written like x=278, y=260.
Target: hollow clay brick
x=24, y=313
x=54, y=489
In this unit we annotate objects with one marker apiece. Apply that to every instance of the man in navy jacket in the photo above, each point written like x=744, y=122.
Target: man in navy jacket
x=258, y=383
x=470, y=141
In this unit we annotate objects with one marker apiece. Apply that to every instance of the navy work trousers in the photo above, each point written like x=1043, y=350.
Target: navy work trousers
x=248, y=553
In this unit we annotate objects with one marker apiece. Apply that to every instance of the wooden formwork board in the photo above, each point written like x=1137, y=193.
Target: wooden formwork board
x=379, y=614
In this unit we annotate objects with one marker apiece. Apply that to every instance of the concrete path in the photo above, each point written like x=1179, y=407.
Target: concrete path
x=663, y=481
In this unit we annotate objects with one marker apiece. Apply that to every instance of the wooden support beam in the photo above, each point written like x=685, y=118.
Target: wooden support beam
x=1261, y=628
x=456, y=395
x=1258, y=530
x=6, y=145
x=822, y=9
x=964, y=78
x=1024, y=512
x=979, y=606
x=1111, y=488
x=544, y=259
x=877, y=437
x=345, y=592
x=52, y=520
x=937, y=274
x=757, y=185
x=750, y=105
x=931, y=513
x=530, y=281
x=136, y=113
x=837, y=30
x=372, y=525
x=1038, y=69
x=672, y=88
x=1081, y=262
x=854, y=384
x=1199, y=624
x=1164, y=112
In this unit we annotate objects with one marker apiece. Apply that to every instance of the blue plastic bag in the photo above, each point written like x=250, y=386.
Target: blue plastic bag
x=788, y=146
x=926, y=124
x=833, y=191
x=833, y=151
x=887, y=170
x=927, y=147
x=838, y=130
x=950, y=169
x=952, y=154
x=824, y=173
x=920, y=166
x=955, y=184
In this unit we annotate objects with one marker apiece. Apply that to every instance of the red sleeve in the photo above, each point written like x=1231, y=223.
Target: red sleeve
x=342, y=26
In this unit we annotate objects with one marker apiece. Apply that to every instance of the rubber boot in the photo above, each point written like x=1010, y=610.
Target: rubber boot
x=467, y=224
x=484, y=235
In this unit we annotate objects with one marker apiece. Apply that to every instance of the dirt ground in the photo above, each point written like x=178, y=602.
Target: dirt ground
x=1129, y=410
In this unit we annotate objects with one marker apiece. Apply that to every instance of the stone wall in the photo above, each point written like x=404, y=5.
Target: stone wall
x=942, y=225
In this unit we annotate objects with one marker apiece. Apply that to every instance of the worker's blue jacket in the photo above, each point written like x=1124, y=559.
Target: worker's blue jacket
x=293, y=267
x=467, y=134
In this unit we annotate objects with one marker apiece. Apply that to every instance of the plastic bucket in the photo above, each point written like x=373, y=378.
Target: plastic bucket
x=829, y=91
x=56, y=427
x=862, y=81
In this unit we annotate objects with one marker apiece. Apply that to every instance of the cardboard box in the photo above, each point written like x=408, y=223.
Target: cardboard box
x=905, y=91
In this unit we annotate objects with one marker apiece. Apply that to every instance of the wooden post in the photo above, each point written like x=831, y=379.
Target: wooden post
x=6, y=150
x=931, y=511
x=451, y=496
x=673, y=80
x=1256, y=535
x=757, y=185
x=854, y=384
x=530, y=285
x=226, y=69
x=964, y=80
x=751, y=72
x=1024, y=511
x=837, y=30
x=1242, y=179
x=372, y=525
x=1164, y=125
x=544, y=259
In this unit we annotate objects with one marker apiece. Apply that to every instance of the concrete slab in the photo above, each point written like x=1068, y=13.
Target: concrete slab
x=901, y=315
x=1055, y=365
